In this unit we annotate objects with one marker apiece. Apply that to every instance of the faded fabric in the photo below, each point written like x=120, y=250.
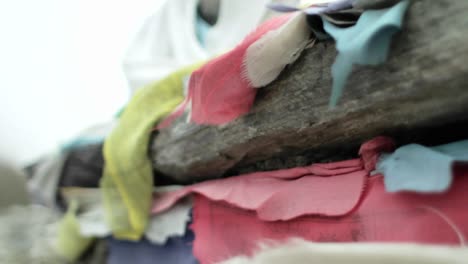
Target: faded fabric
x=273, y=195
x=422, y=169
x=366, y=43
x=223, y=230
x=127, y=182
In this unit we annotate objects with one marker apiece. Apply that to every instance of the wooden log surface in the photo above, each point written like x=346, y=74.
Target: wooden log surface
x=422, y=87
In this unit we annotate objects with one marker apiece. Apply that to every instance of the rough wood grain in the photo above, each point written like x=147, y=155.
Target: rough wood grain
x=423, y=86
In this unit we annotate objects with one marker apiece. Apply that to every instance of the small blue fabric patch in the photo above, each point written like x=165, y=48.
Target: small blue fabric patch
x=176, y=250
x=366, y=43
x=201, y=29
x=421, y=169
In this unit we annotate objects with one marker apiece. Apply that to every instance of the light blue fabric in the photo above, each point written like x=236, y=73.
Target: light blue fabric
x=201, y=28
x=421, y=169
x=366, y=43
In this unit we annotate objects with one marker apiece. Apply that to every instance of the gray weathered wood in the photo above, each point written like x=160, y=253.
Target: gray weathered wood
x=424, y=84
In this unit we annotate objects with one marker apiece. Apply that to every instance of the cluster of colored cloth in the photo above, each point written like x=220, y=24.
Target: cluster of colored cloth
x=219, y=91
x=386, y=195
x=382, y=196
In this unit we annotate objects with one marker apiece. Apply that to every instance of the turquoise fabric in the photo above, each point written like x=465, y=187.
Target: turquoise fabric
x=201, y=28
x=366, y=43
x=421, y=169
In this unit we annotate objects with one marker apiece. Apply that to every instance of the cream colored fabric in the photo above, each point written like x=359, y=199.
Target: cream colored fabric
x=267, y=57
x=302, y=252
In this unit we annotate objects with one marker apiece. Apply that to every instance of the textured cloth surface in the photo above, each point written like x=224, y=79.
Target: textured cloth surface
x=366, y=43
x=266, y=58
x=85, y=221
x=273, y=194
x=423, y=169
x=127, y=182
x=223, y=230
x=219, y=91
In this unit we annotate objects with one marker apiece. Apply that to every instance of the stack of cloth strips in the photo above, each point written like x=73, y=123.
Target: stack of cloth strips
x=112, y=208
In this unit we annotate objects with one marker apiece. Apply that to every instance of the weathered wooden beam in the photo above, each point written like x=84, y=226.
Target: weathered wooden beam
x=423, y=85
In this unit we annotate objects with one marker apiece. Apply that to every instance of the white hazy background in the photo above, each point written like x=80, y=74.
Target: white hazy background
x=61, y=69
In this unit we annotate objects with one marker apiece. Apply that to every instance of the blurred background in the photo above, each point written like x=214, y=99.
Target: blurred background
x=61, y=65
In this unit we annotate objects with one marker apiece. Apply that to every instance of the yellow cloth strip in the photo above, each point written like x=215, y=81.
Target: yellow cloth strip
x=70, y=243
x=127, y=181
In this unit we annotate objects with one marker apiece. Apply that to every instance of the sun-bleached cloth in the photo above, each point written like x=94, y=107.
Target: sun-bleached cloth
x=223, y=89
x=127, y=181
x=418, y=168
x=168, y=41
x=223, y=230
x=272, y=195
x=299, y=251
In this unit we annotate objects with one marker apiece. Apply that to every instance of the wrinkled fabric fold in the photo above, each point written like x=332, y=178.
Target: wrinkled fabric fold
x=127, y=181
x=273, y=194
x=366, y=43
x=223, y=230
x=223, y=89
x=418, y=168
